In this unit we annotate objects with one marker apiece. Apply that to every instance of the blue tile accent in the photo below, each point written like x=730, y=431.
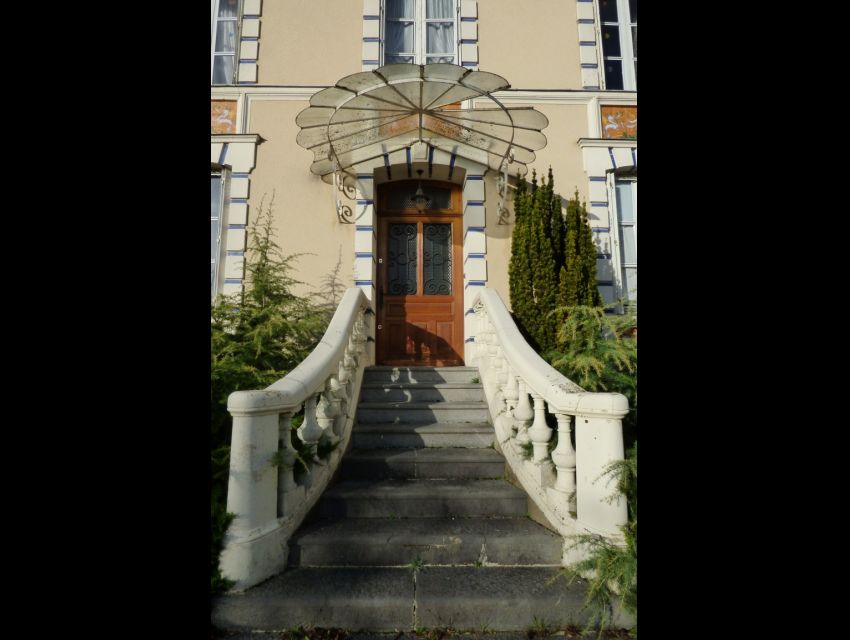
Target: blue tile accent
x=611, y=154
x=481, y=229
x=409, y=163
x=251, y=17
x=597, y=178
x=476, y=255
x=430, y=160
x=474, y=177
x=587, y=43
x=475, y=283
x=598, y=204
x=585, y=20
x=600, y=229
x=469, y=65
x=247, y=60
x=250, y=39
x=584, y=0
x=371, y=17
x=365, y=176
x=452, y=164
x=365, y=202
x=239, y=175
x=233, y=281
x=468, y=311
x=363, y=227
x=236, y=226
x=370, y=39
x=363, y=254
x=470, y=339
x=223, y=153
x=246, y=82
x=594, y=87
x=360, y=283
x=468, y=19
x=236, y=253
x=369, y=62
x=634, y=158
x=589, y=65
x=475, y=203
x=469, y=41
x=239, y=201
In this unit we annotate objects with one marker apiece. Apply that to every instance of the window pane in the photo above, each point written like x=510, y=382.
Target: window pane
x=215, y=196
x=403, y=198
x=611, y=40
x=633, y=10
x=634, y=41
x=223, y=70
x=433, y=59
x=390, y=59
x=401, y=259
x=627, y=240
x=625, y=206
x=613, y=74
x=399, y=37
x=400, y=8
x=441, y=37
x=228, y=8
x=214, y=224
x=630, y=282
x=225, y=39
x=437, y=260
x=439, y=9
x=608, y=10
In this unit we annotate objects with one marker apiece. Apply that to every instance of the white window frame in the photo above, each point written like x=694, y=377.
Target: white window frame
x=221, y=173
x=213, y=54
x=626, y=58
x=619, y=254
x=420, y=29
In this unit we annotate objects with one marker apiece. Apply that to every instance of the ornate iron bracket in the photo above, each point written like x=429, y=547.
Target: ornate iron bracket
x=502, y=187
x=343, y=212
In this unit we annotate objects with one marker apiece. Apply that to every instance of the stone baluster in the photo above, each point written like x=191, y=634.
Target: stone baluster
x=540, y=432
x=326, y=411
x=523, y=413
x=564, y=457
x=337, y=397
x=510, y=392
x=310, y=432
x=286, y=486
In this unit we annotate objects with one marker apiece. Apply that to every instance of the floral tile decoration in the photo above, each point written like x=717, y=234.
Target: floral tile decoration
x=619, y=122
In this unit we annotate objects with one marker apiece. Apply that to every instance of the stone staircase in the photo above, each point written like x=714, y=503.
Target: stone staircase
x=421, y=528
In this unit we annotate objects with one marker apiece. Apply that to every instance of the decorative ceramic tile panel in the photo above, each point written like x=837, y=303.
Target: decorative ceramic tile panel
x=619, y=122
x=223, y=116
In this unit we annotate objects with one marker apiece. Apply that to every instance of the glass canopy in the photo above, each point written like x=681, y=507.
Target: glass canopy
x=373, y=113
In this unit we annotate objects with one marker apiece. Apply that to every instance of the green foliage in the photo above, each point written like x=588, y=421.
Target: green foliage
x=256, y=338
x=553, y=260
x=611, y=568
x=416, y=565
x=595, y=351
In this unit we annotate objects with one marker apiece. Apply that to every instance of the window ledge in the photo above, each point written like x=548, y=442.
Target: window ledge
x=236, y=137
x=606, y=142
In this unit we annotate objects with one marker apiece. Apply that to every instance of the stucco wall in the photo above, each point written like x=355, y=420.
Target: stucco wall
x=534, y=45
x=309, y=42
x=305, y=218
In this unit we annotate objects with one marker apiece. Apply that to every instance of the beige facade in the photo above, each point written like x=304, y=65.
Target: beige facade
x=287, y=50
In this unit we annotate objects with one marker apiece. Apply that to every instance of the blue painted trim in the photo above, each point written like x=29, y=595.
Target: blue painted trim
x=239, y=201
x=469, y=41
x=598, y=204
x=468, y=311
x=475, y=203
x=365, y=202
x=365, y=176
x=246, y=82
x=634, y=159
x=470, y=339
x=475, y=255
x=468, y=19
x=452, y=165
x=474, y=177
x=589, y=65
x=240, y=174
x=361, y=283
x=251, y=17
x=600, y=229
x=584, y=0
x=591, y=87
x=247, y=61
x=369, y=62
x=587, y=43
x=430, y=160
x=233, y=281
x=235, y=226
x=585, y=21
x=409, y=163
x=611, y=154
x=250, y=39
x=371, y=17
x=363, y=254
x=469, y=65
x=387, y=165
x=235, y=253
x=597, y=178
x=223, y=153
x=475, y=283
x=371, y=39
x=481, y=229
x=363, y=227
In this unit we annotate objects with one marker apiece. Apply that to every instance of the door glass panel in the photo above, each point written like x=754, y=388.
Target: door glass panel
x=401, y=259
x=437, y=260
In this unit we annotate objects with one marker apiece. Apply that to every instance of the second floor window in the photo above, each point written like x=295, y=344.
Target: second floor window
x=618, y=26
x=420, y=31
x=225, y=31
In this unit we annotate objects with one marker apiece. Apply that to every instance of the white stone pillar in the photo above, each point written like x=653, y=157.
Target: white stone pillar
x=564, y=457
x=540, y=433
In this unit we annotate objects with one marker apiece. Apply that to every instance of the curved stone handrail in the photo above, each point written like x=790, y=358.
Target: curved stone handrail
x=567, y=485
x=267, y=502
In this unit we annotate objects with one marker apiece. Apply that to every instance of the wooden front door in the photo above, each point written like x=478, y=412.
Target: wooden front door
x=420, y=279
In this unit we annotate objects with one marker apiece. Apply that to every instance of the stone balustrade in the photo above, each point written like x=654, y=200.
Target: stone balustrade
x=567, y=485
x=268, y=503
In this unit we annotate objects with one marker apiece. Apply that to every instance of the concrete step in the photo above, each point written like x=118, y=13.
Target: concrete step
x=423, y=392
x=419, y=412
x=377, y=542
x=459, y=498
x=390, y=599
x=420, y=375
x=422, y=463
x=477, y=435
